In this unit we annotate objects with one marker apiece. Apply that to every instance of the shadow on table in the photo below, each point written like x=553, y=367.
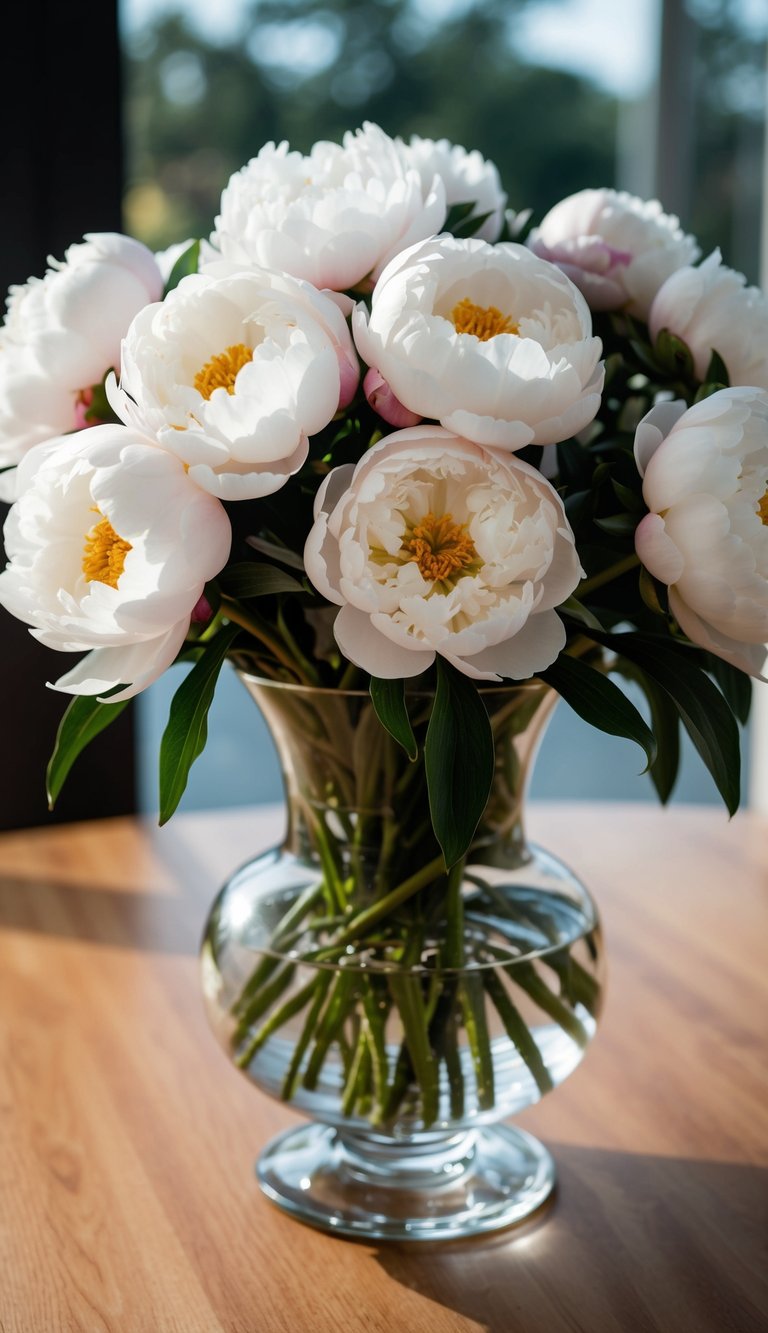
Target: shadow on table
x=631, y=1244
x=126, y=919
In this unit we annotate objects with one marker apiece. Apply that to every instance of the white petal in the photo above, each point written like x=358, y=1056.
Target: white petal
x=364, y=645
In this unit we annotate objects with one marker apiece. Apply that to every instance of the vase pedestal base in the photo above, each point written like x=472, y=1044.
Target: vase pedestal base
x=443, y=1188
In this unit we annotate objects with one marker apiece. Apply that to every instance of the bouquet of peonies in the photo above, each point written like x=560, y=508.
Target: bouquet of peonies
x=378, y=431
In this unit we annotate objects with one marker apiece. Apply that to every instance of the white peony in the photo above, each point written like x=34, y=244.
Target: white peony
x=712, y=309
x=617, y=248
x=232, y=372
x=333, y=217
x=468, y=177
x=109, y=546
x=62, y=334
x=489, y=340
x=705, y=481
x=432, y=544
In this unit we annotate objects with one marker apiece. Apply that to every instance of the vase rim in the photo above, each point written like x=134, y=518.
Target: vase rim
x=505, y=687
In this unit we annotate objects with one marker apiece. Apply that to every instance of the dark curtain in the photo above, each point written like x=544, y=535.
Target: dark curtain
x=61, y=176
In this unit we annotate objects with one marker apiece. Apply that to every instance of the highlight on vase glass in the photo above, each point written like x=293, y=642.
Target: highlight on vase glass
x=416, y=463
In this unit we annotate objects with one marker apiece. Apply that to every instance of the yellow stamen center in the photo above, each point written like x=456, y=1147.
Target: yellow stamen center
x=440, y=547
x=762, y=508
x=483, y=321
x=104, y=554
x=222, y=370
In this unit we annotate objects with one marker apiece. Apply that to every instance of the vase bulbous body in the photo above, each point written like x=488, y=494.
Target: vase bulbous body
x=405, y=1010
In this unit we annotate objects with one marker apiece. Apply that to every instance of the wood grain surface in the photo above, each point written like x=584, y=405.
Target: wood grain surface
x=127, y=1196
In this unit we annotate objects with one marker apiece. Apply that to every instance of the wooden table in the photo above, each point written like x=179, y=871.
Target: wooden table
x=127, y=1196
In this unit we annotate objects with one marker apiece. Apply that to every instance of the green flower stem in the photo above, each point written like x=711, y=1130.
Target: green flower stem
x=262, y=1001
x=606, y=576
x=527, y=978
x=358, y=1079
x=319, y=985
x=473, y=1008
x=308, y=669
x=372, y=915
x=453, y=944
x=336, y=1011
x=444, y=1038
x=517, y=1030
x=258, y=978
x=407, y=995
x=374, y=1024
x=248, y=620
x=292, y=1006
x=576, y=984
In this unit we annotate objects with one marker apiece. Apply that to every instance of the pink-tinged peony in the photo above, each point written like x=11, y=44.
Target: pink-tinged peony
x=383, y=401
x=705, y=481
x=334, y=217
x=712, y=309
x=468, y=178
x=434, y=545
x=233, y=372
x=109, y=547
x=489, y=340
x=62, y=333
x=617, y=248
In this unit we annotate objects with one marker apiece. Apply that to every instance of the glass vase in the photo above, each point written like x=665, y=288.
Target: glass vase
x=405, y=1010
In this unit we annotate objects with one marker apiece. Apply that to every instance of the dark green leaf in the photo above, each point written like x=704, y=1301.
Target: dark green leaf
x=665, y=721
x=717, y=371
x=673, y=354
x=388, y=698
x=99, y=411
x=276, y=552
x=650, y=593
x=256, y=580
x=459, y=761
x=187, y=730
x=84, y=718
x=599, y=702
x=704, y=712
x=471, y=226
x=735, y=685
x=631, y=500
x=185, y=264
x=576, y=610
x=457, y=213
x=618, y=525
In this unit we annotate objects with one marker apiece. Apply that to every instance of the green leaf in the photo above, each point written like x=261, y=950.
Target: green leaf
x=665, y=721
x=388, y=699
x=457, y=213
x=673, y=354
x=84, y=718
x=99, y=411
x=618, y=525
x=459, y=761
x=704, y=712
x=735, y=685
x=631, y=500
x=471, y=227
x=717, y=371
x=650, y=593
x=276, y=552
x=187, y=730
x=256, y=580
x=599, y=702
x=576, y=610
x=186, y=263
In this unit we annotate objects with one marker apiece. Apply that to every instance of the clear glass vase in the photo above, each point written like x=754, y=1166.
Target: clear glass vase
x=404, y=1010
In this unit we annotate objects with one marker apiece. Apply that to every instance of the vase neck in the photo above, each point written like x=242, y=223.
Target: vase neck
x=349, y=785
